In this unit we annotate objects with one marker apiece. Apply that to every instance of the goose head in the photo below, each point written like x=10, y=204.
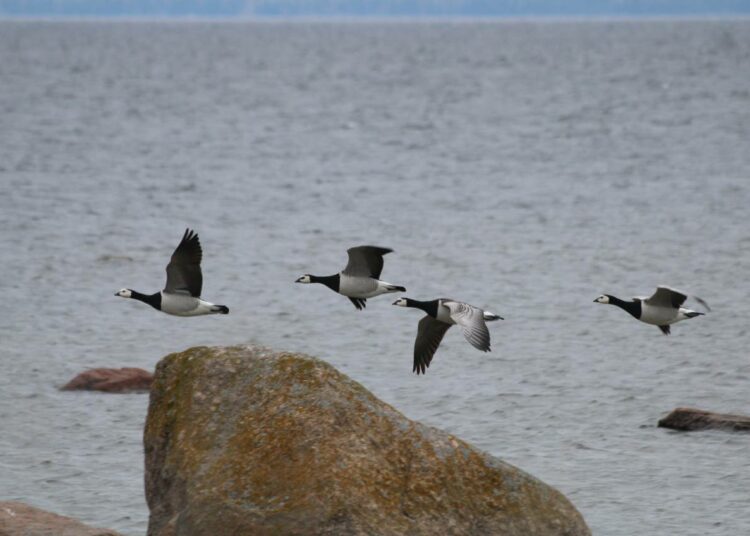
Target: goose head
x=124, y=293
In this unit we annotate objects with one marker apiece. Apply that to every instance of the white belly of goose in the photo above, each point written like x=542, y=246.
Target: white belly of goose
x=185, y=305
x=444, y=314
x=362, y=287
x=660, y=316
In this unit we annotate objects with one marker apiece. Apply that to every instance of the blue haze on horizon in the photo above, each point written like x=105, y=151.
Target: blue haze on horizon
x=369, y=8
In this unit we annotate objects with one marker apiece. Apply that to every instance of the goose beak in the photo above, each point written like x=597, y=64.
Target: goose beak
x=116, y=294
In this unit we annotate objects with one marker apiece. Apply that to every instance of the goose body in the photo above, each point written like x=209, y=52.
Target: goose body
x=360, y=279
x=181, y=294
x=443, y=313
x=661, y=309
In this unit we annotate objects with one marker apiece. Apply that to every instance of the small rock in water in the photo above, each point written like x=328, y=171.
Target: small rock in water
x=111, y=380
x=19, y=519
x=689, y=419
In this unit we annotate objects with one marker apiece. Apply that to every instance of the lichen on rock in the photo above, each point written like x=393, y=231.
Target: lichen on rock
x=244, y=440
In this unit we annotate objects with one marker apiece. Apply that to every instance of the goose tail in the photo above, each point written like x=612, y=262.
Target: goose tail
x=220, y=309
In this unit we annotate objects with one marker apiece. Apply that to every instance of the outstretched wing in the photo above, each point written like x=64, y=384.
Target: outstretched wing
x=184, y=268
x=365, y=261
x=667, y=297
x=429, y=334
x=471, y=321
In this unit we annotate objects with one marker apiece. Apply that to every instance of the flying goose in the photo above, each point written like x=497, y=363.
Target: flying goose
x=181, y=295
x=663, y=308
x=441, y=315
x=360, y=279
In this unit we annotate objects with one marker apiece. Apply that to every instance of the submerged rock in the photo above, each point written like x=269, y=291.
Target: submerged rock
x=243, y=440
x=19, y=519
x=689, y=419
x=111, y=380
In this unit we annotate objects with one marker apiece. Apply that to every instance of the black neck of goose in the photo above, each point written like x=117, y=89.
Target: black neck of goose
x=632, y=307
x=331, y=281
x=154, y=300
x=429, y=307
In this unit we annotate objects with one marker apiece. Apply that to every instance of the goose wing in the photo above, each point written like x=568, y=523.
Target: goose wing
x=471, y=321
x=669, y=297
x=365, y=261
x=429, y=334
x=184, y=268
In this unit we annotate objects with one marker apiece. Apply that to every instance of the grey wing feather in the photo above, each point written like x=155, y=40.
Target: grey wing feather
x=365, y=261
x=184, y=268
x=429, y=334
x=667, y=297
x=471, y=321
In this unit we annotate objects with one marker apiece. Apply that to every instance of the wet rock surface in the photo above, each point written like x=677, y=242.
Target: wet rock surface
x=244, y=440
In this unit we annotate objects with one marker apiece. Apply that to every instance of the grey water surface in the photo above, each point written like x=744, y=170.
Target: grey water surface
x=523, y=167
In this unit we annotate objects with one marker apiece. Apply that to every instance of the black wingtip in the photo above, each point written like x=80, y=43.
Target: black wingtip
x=359, y=303
x=189, y=235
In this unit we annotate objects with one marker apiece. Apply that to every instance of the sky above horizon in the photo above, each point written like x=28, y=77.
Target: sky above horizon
x=365, y=8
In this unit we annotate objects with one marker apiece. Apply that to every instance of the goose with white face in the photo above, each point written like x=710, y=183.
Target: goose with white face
x=181, y=294
x=662, y=309
x=360, y=278
x=442, y=313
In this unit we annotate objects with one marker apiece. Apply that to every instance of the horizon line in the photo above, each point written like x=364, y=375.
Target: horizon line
x=251, y=18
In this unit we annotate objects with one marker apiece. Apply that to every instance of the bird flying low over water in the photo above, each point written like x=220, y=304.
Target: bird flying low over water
x=360, y=279
x=181, y=295
x=441, y=315
x=663, y=308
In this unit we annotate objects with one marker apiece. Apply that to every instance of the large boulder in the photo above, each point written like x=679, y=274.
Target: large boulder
x=243, y=440
x=689, y=419
x=111, y=380
x=19, y=519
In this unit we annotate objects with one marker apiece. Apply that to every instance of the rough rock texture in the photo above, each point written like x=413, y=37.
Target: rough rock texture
x=111, y=380
x=242, y=440
x=688, y=419
x=19, y=519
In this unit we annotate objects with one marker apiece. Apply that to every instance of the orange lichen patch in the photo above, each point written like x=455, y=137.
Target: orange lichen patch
x=245, y=440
